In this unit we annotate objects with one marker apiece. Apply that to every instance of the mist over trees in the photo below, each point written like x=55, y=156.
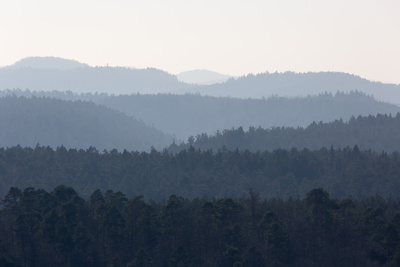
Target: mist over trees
x=190, y=115
x=85, y=181
x=290, y=84
x=48, y=74
x=378, y=133
x=186, y=115
x=35, y=75
x=78, y=124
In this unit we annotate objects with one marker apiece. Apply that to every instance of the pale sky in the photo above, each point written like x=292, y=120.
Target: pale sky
x=360, y=37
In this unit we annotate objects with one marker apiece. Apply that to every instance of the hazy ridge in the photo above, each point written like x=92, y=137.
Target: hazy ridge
x=30, y=73
x=377, y=133
x=52, y=122
x=190, y=115
x=291, y=84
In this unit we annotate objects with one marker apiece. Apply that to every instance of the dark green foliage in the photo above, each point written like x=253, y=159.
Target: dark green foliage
x=315, y=231
x=192, y=173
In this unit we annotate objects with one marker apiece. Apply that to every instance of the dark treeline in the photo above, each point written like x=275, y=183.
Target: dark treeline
x=192, y=173
x=59, y=228
x=378, y=133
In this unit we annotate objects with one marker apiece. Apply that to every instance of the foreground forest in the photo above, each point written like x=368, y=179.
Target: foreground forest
x=192, y=173
x=59, y=228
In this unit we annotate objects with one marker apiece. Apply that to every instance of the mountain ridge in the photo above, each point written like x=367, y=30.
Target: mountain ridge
x=122, y=80
x=190, y=115
x=47, y=63
x=73, y=124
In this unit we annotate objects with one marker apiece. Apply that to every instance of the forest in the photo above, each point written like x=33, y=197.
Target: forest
x=378, y=133
x=191, y=173
x=73, y=124
x=292, y=84
x=287, y=169
x=49, y=73
x=60, y=228
x=189, y=115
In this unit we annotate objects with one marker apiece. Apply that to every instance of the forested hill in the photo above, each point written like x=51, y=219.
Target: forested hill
x=291, y=84
x=186, y=115
x=29, y=121
x=47, y=76
x=190, y=115
x=378, y=133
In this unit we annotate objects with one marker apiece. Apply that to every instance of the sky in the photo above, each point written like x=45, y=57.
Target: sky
x=234, y=37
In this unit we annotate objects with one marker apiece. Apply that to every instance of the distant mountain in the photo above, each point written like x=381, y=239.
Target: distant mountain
x=202, y=77
x=378, y=133
x=290, y=84
x=48, y=63
x=49, y=74
x=52, y=122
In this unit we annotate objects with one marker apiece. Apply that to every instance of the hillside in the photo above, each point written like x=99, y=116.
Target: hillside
x=47, y=63
x=185, y=115
x=378, y=133
x=49, y=74
x=190, y=115
x=78, y=124
x=292, y=84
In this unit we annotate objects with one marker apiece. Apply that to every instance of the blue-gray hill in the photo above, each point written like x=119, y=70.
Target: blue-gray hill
x=52, y=122
x=291, y=84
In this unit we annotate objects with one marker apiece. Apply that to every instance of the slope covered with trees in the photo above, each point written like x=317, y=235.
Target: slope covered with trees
x=50, y=74
x=193, y=114
x=379, y=133
x=291, y=84
x=29, y=121
x=59, y=228
x=190, y=115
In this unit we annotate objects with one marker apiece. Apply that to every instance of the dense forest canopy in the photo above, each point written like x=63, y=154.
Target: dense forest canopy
x=378, y=133
x=192, y=173
x=59, y=228
x=73, y=124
